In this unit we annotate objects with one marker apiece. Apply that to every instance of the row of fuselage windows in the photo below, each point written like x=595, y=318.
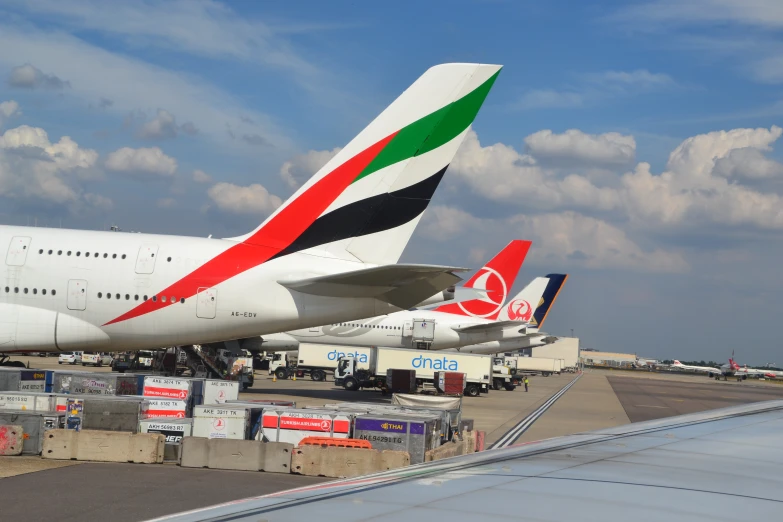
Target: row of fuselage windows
x=136, y=297
x=34, y=291
x=78, y=253
x=376, y=326
x=44, y=291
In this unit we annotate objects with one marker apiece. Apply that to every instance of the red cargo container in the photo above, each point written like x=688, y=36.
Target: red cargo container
x=451, y=383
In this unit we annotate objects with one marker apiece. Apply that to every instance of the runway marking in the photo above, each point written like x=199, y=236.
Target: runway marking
x=648, y=406
x=522, y=426
x=678, y=400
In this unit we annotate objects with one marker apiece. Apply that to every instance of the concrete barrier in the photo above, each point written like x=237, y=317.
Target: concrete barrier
x=242, y=455
x=470, y=441
x=11, y=440
x=104, y=446
x=454, y=448
x=444, y=451
x=480, y=438
x=317, y=461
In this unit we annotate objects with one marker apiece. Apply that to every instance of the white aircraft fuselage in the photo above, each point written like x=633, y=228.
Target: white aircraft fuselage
x=398, y=330
x=112, y=291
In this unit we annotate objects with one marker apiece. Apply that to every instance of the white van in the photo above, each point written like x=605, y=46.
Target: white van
x=70, y=358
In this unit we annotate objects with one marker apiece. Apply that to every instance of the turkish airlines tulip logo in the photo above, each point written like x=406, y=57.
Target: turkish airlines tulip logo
x=494, y=289
x=519, y=310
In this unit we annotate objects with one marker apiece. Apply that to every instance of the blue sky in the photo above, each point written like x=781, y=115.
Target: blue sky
x=634, y=142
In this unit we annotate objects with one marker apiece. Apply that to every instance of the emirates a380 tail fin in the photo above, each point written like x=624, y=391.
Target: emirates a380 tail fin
x=365, y=203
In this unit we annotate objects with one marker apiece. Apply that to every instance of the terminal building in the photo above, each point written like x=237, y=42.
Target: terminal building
x=611, y=359
x=566, y=348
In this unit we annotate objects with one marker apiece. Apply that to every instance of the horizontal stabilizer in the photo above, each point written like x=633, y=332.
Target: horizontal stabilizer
x=402, y=286
x=496, y=326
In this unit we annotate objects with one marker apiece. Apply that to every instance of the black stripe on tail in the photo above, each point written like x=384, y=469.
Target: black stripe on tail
x=368, y=216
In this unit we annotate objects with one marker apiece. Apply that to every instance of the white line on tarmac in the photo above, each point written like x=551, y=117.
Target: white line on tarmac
x=514, y=433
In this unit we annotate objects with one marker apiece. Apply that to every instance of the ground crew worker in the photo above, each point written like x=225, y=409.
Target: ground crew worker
x=526, y=382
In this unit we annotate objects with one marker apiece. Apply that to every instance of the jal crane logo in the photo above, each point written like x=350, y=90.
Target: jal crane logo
x=493, y=289
x=519, y=310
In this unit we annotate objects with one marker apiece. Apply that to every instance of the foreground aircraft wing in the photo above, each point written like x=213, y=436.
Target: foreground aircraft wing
x=402, y=286
x=692, y=467
x=497, y=326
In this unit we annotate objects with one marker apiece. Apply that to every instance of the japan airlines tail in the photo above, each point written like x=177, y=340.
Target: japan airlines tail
x=327, y=254
x=519, y=308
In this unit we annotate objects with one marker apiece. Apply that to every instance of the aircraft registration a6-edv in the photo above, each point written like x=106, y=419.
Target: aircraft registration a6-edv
x=327, y=254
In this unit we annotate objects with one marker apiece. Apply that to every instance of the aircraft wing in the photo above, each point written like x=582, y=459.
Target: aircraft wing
x=497, y=326
x=686, y=468
x=402, y=286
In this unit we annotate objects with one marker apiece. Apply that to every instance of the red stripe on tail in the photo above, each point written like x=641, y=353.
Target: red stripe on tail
x=273, y=237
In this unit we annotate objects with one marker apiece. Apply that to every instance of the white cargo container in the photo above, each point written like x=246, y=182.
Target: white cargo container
x=220, y=392
x=226, y=421
x=167, y=387
x=29, y=401
x=173, y=429
x=542, y=365
x=477, y=368
x=293, y=425
x=168, y=408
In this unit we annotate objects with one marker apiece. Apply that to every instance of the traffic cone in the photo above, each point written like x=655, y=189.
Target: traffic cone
x=294, y=376
x=274, y=377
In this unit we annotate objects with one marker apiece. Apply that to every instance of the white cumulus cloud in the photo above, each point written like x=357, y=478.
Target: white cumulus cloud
x=30, y=77
x=574, y=145
x=163, y=126
x=199, y=176
x=235, y=199
x=142, y=161
x=34, y=168
x=701, y=184
x=564, y=239
x=8, y=109
x=301, y=167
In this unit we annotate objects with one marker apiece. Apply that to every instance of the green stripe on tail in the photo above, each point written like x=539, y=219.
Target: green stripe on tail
x=431, y=131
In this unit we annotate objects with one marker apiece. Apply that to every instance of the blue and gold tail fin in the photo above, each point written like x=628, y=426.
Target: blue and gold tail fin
x=556, y=282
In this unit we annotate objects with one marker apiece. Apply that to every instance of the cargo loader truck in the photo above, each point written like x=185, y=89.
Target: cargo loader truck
x=478, y=369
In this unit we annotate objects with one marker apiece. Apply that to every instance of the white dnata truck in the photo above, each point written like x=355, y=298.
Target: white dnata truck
x=478, y=368
x=317, y=360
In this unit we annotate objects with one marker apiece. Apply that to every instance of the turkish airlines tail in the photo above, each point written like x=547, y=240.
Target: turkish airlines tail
x=491, y=283
x=523, y=305
x=365, y=203
x=556, y=282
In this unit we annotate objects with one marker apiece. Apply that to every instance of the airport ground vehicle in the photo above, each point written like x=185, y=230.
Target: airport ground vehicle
x=96, y=359
x=315, y=360
x=136, y=361
x=478, y=368
x=531, y=365
x=69, y=358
